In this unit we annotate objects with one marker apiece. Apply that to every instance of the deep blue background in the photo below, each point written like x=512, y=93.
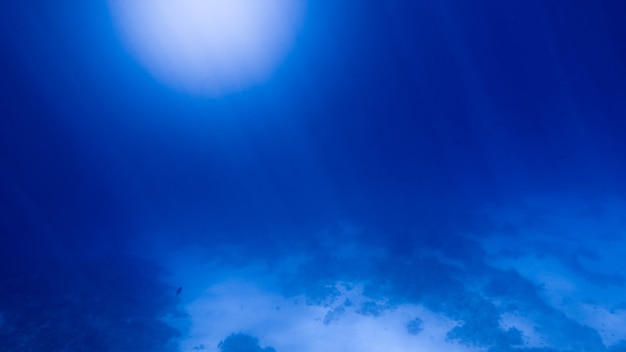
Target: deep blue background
x=381, y=114
x=389, y=115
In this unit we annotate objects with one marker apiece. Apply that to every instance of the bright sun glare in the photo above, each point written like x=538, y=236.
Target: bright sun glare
x=209, y=47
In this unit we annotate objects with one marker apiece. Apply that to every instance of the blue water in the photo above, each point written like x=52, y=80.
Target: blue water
x=415, y=176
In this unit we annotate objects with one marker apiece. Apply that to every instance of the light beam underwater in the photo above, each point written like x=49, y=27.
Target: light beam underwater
x=208, y=47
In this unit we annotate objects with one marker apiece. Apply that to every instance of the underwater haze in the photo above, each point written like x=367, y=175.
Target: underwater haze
x=313, y=176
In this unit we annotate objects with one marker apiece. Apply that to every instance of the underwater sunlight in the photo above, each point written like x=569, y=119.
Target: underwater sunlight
x=208, y=47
